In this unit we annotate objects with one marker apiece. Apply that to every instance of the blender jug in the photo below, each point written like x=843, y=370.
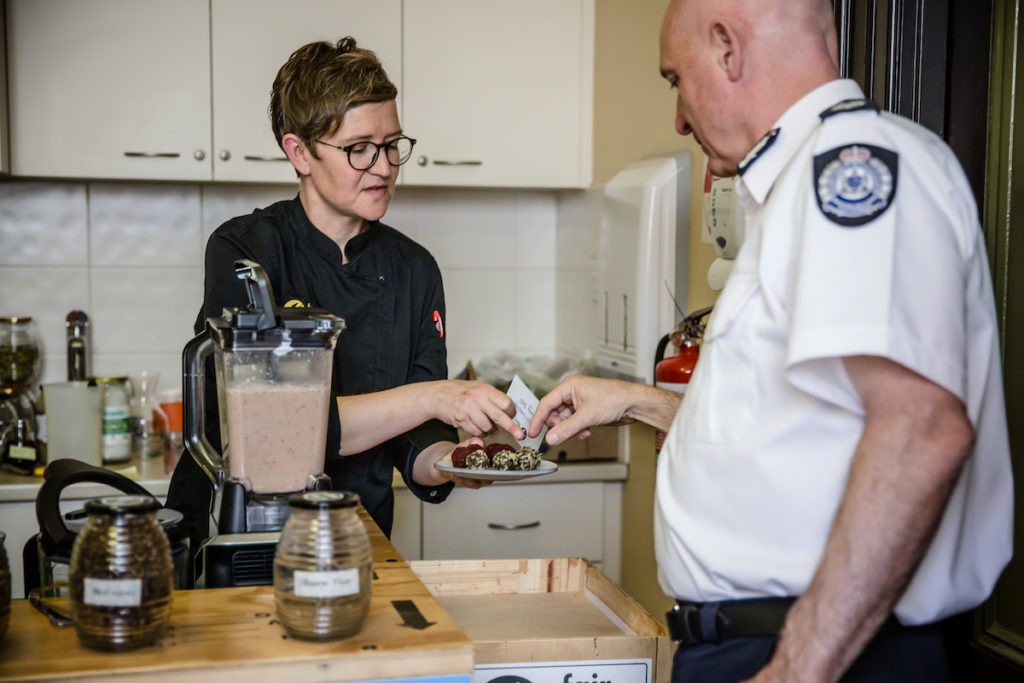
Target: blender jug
x=273, y=379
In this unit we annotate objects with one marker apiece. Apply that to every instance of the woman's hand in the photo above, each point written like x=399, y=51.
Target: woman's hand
x=475, y=407
x=425, y=474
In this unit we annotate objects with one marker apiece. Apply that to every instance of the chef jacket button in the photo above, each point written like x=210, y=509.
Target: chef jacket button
x=433, y=493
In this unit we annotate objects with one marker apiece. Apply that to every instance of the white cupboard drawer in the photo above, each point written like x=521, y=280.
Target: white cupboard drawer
x=516, y=521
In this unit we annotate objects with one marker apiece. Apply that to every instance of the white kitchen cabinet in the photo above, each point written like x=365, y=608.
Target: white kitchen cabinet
x=251, y=40
x=406, y=532
x=520, y=520
x=109, y=88
x=499, y=93
x=167, y=89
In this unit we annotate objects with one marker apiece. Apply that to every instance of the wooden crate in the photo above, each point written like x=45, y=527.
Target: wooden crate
x=540, y=612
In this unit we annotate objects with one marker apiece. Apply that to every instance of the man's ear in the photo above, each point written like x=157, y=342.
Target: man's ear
x=728, y=51
x=296, y=152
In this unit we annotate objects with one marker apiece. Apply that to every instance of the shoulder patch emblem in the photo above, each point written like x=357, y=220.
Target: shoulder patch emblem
x=759, y=149
x=854, y=184
x=438, y=324
x=857, y=104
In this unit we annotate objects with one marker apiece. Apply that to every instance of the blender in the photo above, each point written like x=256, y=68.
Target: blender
x=273, y=379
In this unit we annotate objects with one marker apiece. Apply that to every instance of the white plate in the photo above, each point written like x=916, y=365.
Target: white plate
x=545, y=467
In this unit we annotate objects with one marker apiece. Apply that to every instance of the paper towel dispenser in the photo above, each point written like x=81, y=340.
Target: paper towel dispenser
x=643, y=263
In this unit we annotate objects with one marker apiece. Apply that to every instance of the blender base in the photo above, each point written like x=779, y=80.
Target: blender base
x=228, y=560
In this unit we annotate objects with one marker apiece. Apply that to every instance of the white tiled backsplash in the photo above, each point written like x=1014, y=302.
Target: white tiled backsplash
x=516, y=265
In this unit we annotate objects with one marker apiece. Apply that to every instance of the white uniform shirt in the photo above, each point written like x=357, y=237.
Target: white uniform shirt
x=757, y=459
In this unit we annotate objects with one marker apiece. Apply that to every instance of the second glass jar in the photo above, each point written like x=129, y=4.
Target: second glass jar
x=323, y=567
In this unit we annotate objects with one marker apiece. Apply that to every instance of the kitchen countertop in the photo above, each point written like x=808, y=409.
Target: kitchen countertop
x=149, y=473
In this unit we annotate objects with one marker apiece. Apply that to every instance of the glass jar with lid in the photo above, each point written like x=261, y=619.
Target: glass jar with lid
x=323, y=567
x=121, y=577
x=19, y=354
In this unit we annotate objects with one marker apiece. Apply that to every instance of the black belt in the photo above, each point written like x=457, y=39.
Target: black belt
x=692, y=623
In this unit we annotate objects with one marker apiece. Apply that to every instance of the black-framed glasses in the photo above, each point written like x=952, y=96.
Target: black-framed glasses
x=363, y=155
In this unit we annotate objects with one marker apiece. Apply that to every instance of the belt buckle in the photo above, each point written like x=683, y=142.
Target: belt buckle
x=684, y=624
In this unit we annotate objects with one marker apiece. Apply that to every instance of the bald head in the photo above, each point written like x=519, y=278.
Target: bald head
x=739, y=64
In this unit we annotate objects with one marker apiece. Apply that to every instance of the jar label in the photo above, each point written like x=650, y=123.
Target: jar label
x=328, y=584
x=21, y=453
x=112, y=592
x=116, y=420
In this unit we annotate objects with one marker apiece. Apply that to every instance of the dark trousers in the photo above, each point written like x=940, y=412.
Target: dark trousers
x=899, y=655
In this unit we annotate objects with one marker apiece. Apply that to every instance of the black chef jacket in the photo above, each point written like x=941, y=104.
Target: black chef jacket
x=391, y=298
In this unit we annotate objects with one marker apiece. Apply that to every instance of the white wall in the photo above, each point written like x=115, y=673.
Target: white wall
x=130, y=255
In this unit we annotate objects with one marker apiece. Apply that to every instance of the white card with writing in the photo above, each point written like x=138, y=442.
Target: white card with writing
x=112, y=592
x=526, y=406
x=326, y=584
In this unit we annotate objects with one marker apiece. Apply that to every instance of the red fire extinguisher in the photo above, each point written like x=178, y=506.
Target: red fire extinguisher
x=674, y=373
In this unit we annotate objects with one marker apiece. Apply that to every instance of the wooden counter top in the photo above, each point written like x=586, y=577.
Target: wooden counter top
x=231, y=634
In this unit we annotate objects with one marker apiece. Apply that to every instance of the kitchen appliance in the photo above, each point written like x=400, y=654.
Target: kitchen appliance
x=724, y=226
x=20, y=365
x=273, y=380
x=643, y=263
x=47, y=556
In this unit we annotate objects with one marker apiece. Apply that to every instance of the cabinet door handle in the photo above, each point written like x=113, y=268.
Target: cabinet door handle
x=513, y=527
x=153, y=155
x=446, y=162
x=253, y=157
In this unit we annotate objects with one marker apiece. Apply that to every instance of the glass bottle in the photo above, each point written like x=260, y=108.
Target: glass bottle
x=39, y=413
x=8, y=426
x=117, y=425
x=21, y=455
x=323, y=567
x=149, y=423
x=121, y=577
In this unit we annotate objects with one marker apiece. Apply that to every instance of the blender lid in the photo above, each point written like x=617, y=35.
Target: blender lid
x=262, y=322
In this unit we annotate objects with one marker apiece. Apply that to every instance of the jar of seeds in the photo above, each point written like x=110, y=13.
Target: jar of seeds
x=19, y=354
x=121, y=577
x=323, y=567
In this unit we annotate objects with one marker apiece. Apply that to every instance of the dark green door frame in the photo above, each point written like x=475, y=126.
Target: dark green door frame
x=999, y=624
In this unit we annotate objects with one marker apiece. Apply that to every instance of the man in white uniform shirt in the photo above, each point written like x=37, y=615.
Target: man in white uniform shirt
x=837, y=479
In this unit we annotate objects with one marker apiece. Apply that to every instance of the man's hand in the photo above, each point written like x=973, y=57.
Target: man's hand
x=580, y=402
x=475, y=407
